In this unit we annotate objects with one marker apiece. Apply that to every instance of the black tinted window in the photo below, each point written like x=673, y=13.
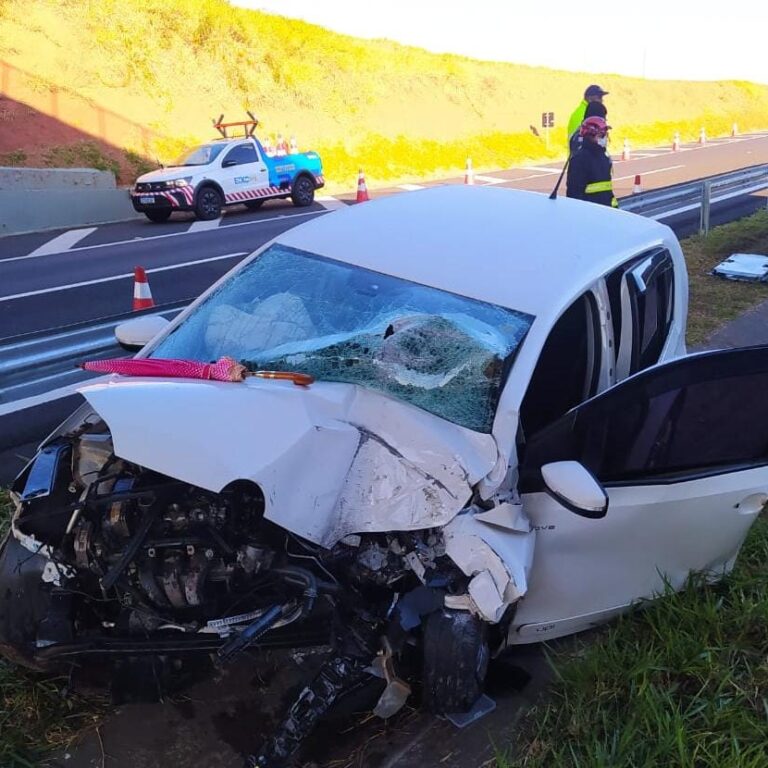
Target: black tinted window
x=694, y=415
x=241, y=154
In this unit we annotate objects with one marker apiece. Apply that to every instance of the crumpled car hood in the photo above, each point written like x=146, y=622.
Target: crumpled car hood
x=331, y=459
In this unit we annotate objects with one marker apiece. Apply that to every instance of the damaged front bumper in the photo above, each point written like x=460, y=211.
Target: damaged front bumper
x=111, y=560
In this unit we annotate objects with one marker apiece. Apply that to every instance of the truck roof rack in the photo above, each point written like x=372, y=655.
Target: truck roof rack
x=248, y=126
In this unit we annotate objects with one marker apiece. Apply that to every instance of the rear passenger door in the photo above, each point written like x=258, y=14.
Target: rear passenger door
x=641, y=294
x=244, y=174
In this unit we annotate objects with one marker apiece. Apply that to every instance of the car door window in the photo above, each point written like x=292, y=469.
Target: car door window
x=567, y=369
x=241, y=154
x=641, y=293
x=701, y=415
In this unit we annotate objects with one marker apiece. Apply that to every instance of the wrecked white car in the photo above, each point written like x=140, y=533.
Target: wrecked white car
x=504, y=443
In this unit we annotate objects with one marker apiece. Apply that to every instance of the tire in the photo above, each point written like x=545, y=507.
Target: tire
x=253, y=205
x=208, y=204
x=158, y=216
x=303, y=192
x=455, y=661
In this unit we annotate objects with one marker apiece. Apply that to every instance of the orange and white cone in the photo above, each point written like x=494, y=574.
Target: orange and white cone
x=281, y=149
x=638, y=187
x=142, y=296
x=294, y=146
x=702, y=136
x=469, y=175
x=676, y=142
x=362, y=190
x=626, y=153
x=734, y=131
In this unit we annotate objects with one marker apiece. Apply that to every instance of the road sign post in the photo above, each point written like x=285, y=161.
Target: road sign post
x=547, y=122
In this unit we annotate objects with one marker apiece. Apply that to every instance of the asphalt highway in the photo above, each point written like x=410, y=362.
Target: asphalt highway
x=54, y=279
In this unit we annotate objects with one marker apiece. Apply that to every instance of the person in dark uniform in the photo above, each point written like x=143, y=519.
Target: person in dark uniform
x=590, y=168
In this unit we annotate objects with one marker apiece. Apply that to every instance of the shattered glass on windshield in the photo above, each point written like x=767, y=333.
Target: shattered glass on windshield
x=291, y=310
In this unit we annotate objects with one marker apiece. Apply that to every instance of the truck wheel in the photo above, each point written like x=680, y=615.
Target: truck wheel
x=253, y=205
x=158, y=216
x=303, y=192
x=455, y=655
x=209, y=203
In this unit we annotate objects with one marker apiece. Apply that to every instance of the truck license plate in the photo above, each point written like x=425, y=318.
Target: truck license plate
x=147, y=200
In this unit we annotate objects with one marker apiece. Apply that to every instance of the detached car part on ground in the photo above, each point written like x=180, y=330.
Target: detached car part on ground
x=504, y=443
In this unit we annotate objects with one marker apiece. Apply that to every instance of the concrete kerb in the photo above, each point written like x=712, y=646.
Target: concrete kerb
x=37, y=199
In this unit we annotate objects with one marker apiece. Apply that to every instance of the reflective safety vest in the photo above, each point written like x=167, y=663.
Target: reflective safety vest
x=589, y=176
x=576, y=119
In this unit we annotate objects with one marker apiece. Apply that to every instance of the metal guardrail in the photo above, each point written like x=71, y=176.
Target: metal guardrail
x=42, y=361
x=697, y=195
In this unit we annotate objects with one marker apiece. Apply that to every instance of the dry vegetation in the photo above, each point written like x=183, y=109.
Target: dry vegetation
x=398, y=111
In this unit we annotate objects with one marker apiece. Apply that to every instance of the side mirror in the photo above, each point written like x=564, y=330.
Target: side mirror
x=134, y=334
x=576, y=488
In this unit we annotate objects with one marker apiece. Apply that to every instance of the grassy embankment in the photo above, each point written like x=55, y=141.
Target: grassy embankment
x=399, y=112
x=682, y=684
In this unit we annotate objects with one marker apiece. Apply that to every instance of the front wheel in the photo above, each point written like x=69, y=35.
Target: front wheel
x=158, y=216
x=455, y=661
x=209, y=204
x=303, y=192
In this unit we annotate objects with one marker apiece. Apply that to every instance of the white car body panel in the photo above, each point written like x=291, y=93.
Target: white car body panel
x=586, y=571
x=331, y=459
x=245, y=177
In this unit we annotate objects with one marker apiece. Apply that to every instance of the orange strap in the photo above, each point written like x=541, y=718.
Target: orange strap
x=299, y=379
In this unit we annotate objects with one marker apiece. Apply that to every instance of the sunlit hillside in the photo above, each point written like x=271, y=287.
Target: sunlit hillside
x=149, y=76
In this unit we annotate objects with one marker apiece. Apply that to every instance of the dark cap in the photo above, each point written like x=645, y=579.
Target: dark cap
x=594, y=90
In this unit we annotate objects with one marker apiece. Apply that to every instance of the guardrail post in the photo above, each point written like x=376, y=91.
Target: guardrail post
x=706, y=194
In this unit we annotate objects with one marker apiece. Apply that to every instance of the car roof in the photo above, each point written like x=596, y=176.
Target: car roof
x=509, y=247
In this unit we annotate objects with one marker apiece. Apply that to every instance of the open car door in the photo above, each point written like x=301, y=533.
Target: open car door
x=681, y=450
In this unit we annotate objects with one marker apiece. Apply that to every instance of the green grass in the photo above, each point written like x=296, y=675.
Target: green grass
x=681, y=684
x=714, y=301
x=84, y=154
x=13, y=159
x=37, y=712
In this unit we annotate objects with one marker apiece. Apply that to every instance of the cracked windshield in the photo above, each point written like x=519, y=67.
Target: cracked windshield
x=290, y=310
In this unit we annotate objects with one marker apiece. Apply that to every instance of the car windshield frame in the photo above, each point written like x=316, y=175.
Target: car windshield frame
x=215, y=148
x=292, y=310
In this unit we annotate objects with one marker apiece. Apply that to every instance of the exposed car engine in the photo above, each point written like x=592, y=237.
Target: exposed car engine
x=127, y=561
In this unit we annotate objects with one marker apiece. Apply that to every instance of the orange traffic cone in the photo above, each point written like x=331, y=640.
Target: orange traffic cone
x=625, y=153
x=294, y=146
x=142, y=296
x=281, y=148
x=638, y=187
x=362, y=190
x=469, y=176
x=676, y=142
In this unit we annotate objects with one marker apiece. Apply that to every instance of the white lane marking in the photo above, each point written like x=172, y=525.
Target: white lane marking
x=62, y=242
x=412, y=187
x=489, y=180
x=134, y=240
x=648, y=173
x=526, y=178
x=538, y=168
x=203, y=226
x=46, y=397
x=121, y=277
x=330, y=203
